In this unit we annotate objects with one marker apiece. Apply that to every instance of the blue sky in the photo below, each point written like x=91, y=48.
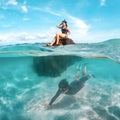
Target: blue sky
x=36, y=20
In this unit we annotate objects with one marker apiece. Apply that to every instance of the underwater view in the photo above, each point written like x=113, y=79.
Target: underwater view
x=30, y=74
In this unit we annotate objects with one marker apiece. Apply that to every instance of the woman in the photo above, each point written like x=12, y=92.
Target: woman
x=72, y=88
x=65, y=31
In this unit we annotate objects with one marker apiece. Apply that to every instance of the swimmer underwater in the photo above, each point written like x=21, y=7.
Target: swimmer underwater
x=72, y=88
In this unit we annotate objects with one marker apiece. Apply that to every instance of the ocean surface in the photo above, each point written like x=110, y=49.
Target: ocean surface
x=30, y=73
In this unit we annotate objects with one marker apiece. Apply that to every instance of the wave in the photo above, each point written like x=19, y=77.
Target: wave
x=108, y=49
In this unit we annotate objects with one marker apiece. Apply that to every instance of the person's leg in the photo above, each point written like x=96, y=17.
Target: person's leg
x=77, y=77
x=58, y=36
x=84, y=71
x=53, y=41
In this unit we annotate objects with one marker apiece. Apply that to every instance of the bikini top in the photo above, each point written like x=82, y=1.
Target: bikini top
x=63, y=29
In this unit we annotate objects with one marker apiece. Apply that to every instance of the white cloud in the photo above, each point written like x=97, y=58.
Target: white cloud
x=94, y=37
x=46, y=10
x=12, y=2
x=79, y=25
x=79, y=29
x=102, y=2
x=24, y=9
x=24, y=37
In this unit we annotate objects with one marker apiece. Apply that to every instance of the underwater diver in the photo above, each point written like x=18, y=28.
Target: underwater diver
x=65, y=31
x=73, y=87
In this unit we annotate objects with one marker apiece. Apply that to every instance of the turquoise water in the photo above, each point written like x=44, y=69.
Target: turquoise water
x=30, y=73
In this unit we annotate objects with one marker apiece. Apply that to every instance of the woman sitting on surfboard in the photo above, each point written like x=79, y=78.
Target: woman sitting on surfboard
x=65, y=31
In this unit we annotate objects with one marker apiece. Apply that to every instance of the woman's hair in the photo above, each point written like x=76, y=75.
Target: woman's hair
x=63, y=84
x=65, y=22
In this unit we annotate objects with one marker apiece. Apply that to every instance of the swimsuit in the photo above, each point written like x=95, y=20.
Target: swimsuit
x=64, y=31
x=75, y=86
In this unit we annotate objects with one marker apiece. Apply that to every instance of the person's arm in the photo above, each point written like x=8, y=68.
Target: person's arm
x=68, y=29
x=59, y=26
x=77, y=77
x=55, y=97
